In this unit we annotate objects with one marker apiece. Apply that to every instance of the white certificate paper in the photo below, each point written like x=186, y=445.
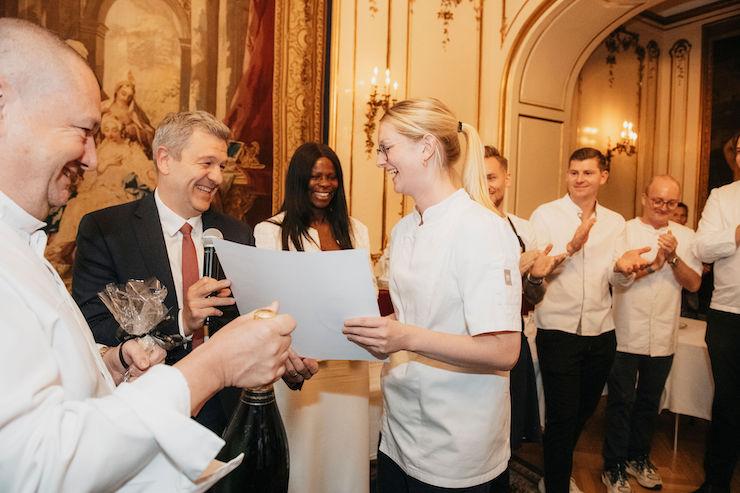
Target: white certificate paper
x=319, y=289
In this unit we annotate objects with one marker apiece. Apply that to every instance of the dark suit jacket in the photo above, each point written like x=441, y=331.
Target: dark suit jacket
x=126, y=242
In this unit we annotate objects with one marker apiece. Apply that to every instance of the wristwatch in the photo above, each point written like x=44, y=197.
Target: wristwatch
x=536, y=281
x=674, y=261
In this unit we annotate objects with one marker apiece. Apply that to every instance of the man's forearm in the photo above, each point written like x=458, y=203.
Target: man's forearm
x=200, y=375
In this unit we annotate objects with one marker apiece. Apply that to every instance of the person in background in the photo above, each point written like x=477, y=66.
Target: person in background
x=334, y=405
x=680, y=214
x=717, y=240
x=647, y=308
x=534, y=266
x=456, y=293
x=575, y=330
x=65, y=422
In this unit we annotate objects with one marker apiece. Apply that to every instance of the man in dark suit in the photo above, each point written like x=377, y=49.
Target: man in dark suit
x=161, y=236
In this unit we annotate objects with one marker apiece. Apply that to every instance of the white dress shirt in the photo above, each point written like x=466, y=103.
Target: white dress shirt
x=647, y=310
x=332, y=406
x=63, y=424
x=457, y=273
x=577, y=299
x=171, y=223
x=715, y=242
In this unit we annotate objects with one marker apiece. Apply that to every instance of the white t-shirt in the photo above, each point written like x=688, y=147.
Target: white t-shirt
x=457, y=273
x=577, y=299
x=647, y=310
x=715, y=242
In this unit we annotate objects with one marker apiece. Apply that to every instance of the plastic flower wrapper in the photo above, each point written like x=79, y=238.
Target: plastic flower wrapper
x=138, y=307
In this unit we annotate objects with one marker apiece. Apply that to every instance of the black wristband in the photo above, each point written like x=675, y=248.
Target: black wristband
x=120, y=356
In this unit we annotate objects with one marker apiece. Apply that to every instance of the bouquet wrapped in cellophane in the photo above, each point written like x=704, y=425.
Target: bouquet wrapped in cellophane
x=138, y=307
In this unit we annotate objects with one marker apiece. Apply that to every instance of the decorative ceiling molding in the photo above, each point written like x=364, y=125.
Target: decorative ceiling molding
x=688, y=14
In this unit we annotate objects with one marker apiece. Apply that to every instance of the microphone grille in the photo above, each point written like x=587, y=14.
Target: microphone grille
x=211, y=234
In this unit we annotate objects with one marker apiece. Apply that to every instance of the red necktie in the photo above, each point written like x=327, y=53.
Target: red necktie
x=190, y=273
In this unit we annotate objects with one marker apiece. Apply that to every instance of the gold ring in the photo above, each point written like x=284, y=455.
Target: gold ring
x=263, y=314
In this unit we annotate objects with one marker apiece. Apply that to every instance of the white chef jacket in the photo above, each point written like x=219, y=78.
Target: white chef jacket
x=715, y=242
x=63, y=425
x=457, y=273
x=647, y=310
x=577, y=299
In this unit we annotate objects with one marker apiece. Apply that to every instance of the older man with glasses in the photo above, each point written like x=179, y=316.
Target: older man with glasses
x=655, y=262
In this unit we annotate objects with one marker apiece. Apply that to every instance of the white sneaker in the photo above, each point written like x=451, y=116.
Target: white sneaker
x=572, y=489
x=616, y=481
x=645, y=473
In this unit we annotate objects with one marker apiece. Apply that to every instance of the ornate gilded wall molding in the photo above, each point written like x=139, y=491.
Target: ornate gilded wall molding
x=646, y=148
x=680, y=54
x=298, y=82
x=620, y=41
x=680, y=57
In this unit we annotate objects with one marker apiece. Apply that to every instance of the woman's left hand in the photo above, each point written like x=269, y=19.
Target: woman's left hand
x=299, y=369
x=380, y=336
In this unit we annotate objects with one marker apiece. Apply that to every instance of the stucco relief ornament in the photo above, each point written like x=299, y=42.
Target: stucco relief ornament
x=680, y=56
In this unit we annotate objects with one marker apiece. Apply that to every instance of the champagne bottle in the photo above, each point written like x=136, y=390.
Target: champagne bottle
x=257, y=430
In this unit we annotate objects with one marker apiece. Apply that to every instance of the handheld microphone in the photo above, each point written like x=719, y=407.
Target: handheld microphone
x=210, y=263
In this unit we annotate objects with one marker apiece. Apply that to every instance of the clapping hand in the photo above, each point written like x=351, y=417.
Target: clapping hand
x=632, y=261
x=544, y=264
x=668, y=244
x=580, y=237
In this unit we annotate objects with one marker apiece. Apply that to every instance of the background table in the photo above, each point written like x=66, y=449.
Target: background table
x=690, y=387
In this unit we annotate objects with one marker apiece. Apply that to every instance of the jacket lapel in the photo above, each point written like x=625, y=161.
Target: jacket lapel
x=152, y=247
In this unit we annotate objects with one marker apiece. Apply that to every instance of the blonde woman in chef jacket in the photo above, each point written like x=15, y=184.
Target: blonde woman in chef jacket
x=456, y=291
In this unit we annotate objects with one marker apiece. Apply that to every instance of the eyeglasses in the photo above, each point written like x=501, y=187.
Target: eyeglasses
x=383, y=149
x=657, y=203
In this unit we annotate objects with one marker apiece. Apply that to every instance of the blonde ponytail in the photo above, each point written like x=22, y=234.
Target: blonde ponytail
x=474, y=169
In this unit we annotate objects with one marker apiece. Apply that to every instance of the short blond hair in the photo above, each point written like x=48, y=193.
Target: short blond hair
x=415, y=118
x=175, y=130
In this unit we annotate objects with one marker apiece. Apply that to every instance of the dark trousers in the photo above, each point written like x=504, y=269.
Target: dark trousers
x=574, y=371
x=392, y=479
x=525, y=410
x=631, y=413
x=723, y=342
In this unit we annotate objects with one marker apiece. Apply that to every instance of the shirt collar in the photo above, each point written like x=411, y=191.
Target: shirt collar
x=171, y=221
x=439, y=209
x=574, y=207
x=28, y=227
x=652, y=228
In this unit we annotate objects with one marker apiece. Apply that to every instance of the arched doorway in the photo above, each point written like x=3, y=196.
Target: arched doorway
x=539, y=80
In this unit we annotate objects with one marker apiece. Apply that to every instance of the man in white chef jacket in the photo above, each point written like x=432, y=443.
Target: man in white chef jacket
x=65, y=423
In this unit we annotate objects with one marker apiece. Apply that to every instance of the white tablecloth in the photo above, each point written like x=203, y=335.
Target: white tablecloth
x=690, y=386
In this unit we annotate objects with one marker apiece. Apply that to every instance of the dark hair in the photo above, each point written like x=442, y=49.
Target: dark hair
x=490, y=151
x=297, y=204
x=683, y=206
x=585, y=153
